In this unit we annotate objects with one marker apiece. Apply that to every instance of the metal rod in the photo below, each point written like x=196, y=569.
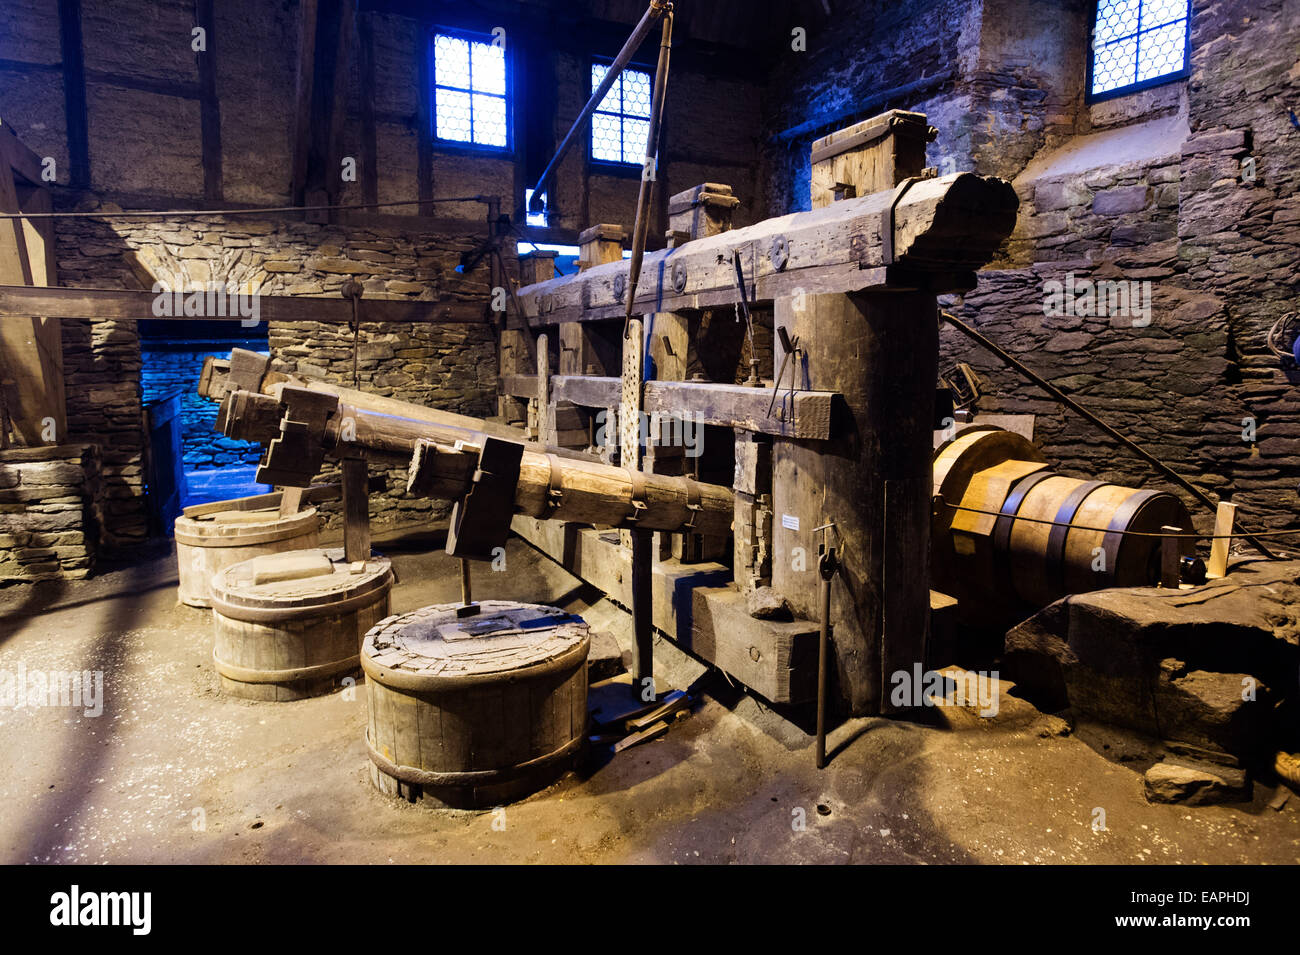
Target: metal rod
x=788, y=348
x=648, y=173
x=656, y=9
x=749, y=322
x=465, y=590
x=827, y=566
x=1087, y=415
x=642, y=619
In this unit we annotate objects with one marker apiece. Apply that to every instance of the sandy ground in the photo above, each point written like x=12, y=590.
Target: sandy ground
x=172, y=771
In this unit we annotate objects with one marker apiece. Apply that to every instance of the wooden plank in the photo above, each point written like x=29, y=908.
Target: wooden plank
x=356, y=510
x=1169, y=576
x=545, y=413
x=126, y=305
x=670, y=704
x=800, y=414
x=644, y=736
x=22, y=160
x=291, y=501
x=775, y=659
x=31, y=364
x=905, y=583
x=1225, y=520
x=944, y=229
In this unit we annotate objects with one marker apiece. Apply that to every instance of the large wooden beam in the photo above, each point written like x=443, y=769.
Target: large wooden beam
x=942, y=230
x=796, y=414
x=572, y=490
x=126, y=305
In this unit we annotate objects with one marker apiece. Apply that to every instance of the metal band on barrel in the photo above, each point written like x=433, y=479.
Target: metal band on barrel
x=293, y=675
x=1056, y=537
x=480, y=777
x=1119, y=522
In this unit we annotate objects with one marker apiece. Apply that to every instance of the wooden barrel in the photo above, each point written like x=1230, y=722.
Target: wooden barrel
x=1095, y=549
x=210, y=542
x=996, y=557
x=478, y=710
x=961, y=553
x=289, y=625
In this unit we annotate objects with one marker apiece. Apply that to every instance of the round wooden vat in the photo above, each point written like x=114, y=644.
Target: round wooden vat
x=289, y=625
x=1048, y=561
x=212, y=542
x=962, y=562
x=1002, y=561
x=478, y=710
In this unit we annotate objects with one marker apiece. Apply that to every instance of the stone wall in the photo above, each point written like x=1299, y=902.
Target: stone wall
x=445, y=366
x=101, y=369
x=167, y=368
x=144, y=148
x=1143, y=188
x=49, y=512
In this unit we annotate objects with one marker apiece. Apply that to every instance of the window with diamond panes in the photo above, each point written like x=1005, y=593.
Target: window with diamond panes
x=620, y=125
x=469, y=91
x=1138, y=43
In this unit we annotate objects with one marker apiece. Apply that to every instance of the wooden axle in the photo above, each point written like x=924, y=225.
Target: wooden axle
x=583, y=492
x=300, y=427
x=251, y=372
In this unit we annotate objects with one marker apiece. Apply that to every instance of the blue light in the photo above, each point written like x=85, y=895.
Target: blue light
x=534, y=218
x=469, y=91
x=1137, y=42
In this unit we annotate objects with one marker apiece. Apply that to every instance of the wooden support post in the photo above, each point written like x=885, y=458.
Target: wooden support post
x=696, y=213
x=593, y=349
x=872, y=478
x=600, y=244
x=356, y=510
x=752, y=527
x=31, y=349
x=641, y=541
x=544, y=417
x=209, y=104
x=1169, y=557
x=701, y=211
x=517, y=346
x=870, y=156
x=290, y=500
x=308, y=11
x=1225, y=521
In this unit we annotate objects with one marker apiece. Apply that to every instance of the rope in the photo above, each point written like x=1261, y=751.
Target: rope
x=1108, y=530
x=254, y=211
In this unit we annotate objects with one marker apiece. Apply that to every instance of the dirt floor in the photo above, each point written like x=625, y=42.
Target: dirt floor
x=172, y=771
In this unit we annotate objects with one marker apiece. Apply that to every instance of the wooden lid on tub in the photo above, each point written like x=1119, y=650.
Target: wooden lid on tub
x=435, y=647
x=241, y=528
x=298, y=583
